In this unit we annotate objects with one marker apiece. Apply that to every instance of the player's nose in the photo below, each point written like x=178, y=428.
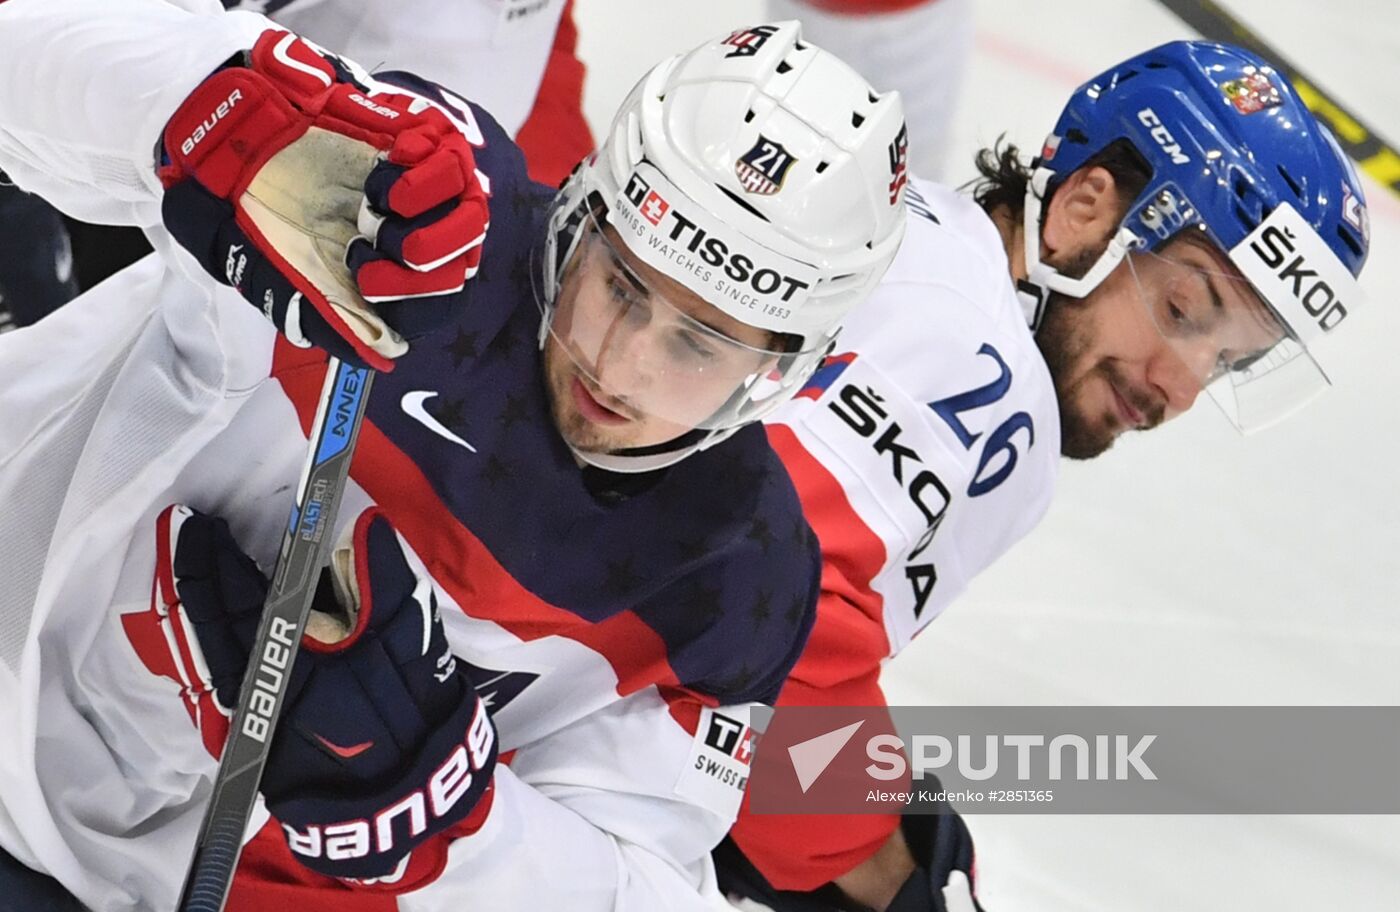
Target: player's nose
x=632, y=358
x=1178, y=376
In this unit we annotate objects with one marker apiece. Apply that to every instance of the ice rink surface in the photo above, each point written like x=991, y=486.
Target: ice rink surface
x=1192, y=566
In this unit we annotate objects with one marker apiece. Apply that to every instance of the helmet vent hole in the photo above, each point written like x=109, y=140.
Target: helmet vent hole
x=1156, y=65
x=822, y=166
x=874, y=99
x=1076, y=136
x=748, y=117
x=799, y=46
x=1249, y=221
x=784, y=67
x=736, y=198
x=1241, y=185
x=1292, y=184
x=857, y=119
x=1350, y=242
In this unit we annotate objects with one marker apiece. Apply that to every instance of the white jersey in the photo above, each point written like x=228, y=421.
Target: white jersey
x=923, y=449
x=936, y=416
x=493, y=52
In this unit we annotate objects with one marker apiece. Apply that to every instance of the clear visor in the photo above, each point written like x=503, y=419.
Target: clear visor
x=649, y=348
x=1226, y=340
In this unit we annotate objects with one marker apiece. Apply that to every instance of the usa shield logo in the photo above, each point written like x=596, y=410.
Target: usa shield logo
x=899, y=164
x=762, y=169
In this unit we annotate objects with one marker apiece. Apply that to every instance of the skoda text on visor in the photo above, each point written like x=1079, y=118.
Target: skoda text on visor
x=654, y=353
x=1241, y=340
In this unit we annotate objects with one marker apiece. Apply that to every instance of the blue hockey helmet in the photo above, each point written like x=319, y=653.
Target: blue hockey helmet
x=1235, y=156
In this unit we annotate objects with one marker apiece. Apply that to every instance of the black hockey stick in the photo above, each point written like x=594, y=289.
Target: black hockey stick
x=1376, y=157
x=305, y=544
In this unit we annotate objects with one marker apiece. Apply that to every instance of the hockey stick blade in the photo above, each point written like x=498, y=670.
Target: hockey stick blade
x=306, y=543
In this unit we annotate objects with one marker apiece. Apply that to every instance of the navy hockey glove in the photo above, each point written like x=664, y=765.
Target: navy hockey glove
x=944, y=880
x=383, y=742
x=273, y=168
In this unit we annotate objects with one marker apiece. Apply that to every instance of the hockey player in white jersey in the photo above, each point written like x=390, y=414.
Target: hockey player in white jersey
x=1188, y=227
x=597, y=605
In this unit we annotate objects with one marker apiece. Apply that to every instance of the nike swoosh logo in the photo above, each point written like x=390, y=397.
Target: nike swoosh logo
x=346, y=753
x=412, y=405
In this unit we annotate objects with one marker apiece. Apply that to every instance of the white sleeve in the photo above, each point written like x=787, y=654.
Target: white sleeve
x=616, y=812
x=490, y=51
x=86, y=87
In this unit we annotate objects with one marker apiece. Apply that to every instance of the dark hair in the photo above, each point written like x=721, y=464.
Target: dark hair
x=1005, y=174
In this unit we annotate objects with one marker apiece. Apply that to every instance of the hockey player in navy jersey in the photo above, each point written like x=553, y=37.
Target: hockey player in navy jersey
x=569, y=561
x=1188, y=227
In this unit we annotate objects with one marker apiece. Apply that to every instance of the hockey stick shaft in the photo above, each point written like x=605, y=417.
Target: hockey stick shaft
x=1372, y=153
x=305, y=544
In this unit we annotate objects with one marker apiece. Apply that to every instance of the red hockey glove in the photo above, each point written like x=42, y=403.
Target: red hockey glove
x=273, y=169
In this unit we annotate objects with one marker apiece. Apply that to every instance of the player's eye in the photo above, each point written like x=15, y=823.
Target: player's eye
x=692, y=346
x=623, y=293
x=1180, y=317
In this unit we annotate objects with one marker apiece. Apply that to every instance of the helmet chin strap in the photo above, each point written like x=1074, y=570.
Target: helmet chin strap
x=1041, y=278
x=650, y=458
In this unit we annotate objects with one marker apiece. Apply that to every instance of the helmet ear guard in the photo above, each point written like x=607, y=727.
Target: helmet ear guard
x=1042, y=278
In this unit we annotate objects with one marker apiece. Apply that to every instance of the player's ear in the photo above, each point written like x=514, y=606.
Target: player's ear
x=1083, y=213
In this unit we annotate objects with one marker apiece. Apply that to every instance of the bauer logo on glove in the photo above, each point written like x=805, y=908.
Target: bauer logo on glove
x=349, y=211
x=383, y=743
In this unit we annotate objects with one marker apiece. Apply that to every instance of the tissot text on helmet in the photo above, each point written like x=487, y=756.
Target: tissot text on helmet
x=675, y=241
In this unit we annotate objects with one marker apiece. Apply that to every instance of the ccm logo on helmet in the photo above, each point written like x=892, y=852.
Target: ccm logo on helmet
x=448, y=784
x=1274, y=247
x=707, y=247
x=1148, y=118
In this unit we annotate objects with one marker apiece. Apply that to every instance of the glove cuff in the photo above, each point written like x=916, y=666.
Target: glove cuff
x=233, y=101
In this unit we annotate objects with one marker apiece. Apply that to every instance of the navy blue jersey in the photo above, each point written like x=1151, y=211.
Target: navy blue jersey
x=703, y=577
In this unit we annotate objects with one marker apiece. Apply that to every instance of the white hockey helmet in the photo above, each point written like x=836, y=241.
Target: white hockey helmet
x=760, y=173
